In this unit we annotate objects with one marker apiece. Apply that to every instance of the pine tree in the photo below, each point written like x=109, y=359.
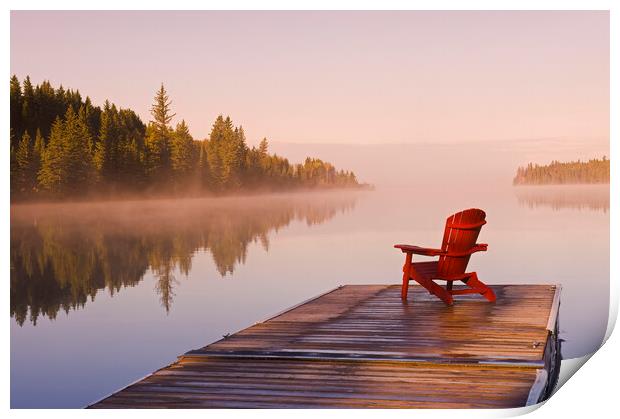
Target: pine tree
x=67, y=167
x=106, y=157
x=130, y=157
x=159, y=141
x=13, y=164
x=182, y=153
x=16, y=106
x=23, y=159
x=27, y=104
x=253, y=170
x=37, y=156
x=213, y=152
x=264, y=160
x=91, y=116
x=154, y=151
x=53, y=164
x=263, y=147
x=78, y=145
x=234, y=158
x=161, y=111
x=203, y=166
x=84, y=115
x=226, y=154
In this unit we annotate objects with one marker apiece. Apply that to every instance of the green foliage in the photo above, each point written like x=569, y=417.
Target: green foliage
x=110, y=150
x=106, y=146
x=13, y=164
x=159, y=136
x=162, y=115
x=53, y=169
x=37, y=107
x=226, y=154
x=182, y=155
x=67, y=166
x=24, y=160
x=119, y=149
x=16, y=104
x=27, y=161
x=592, y=171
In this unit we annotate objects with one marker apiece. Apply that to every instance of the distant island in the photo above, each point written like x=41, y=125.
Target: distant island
x=558, y=173
x=65, y=147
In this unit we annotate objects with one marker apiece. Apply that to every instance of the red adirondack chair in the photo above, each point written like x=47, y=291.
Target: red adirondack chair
x=459, y=242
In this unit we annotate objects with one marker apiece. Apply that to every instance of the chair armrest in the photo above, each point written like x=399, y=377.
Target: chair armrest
x=481, y=247
x=407, y=248
x=478, y=247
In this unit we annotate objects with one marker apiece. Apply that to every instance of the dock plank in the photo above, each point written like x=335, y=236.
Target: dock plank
x=229, y=382
x=376, y=322
x=359, y=346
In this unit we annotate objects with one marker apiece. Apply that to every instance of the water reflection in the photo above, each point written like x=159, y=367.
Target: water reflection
x=61, y=255
x=122, y=338
x=583, y=197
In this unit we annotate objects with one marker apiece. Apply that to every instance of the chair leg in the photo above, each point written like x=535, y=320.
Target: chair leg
x=433, y=287
x=474, y=283
x=405, y=287
x=406, y=277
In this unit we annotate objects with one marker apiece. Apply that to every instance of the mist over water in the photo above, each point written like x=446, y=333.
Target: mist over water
x=437, y=109
x=447, y=166
x=580, y=197
x=71, y=251
x=105, y=293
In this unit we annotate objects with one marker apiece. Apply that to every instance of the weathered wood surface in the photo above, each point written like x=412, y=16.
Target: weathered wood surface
x=293, y=383
x=372, y=320
x=360, y=346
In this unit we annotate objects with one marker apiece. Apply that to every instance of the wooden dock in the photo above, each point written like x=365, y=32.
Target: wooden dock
x=359, y=346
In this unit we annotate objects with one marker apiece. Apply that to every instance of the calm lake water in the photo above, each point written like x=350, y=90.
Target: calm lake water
x=104, y=294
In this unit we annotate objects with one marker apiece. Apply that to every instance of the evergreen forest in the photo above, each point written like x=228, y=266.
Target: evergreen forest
x=64, y=146
x=558, y=173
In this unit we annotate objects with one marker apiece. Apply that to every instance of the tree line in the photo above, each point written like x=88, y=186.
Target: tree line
x=64, y=146
x=592, y=171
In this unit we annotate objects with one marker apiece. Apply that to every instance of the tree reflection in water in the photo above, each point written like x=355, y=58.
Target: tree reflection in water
x=558, y=197
x=62, y=254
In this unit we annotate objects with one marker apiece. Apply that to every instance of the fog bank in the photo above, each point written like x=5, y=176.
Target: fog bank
x=488, y=163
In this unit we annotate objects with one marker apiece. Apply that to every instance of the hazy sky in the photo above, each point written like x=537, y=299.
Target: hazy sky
x=342, y=77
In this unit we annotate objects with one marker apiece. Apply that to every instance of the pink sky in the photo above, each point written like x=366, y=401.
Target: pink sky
x=337, y=77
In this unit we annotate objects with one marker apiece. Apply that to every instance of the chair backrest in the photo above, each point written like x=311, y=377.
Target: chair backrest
x=460, y=235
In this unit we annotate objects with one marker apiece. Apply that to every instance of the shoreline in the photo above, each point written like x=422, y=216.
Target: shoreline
x=163, y=197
